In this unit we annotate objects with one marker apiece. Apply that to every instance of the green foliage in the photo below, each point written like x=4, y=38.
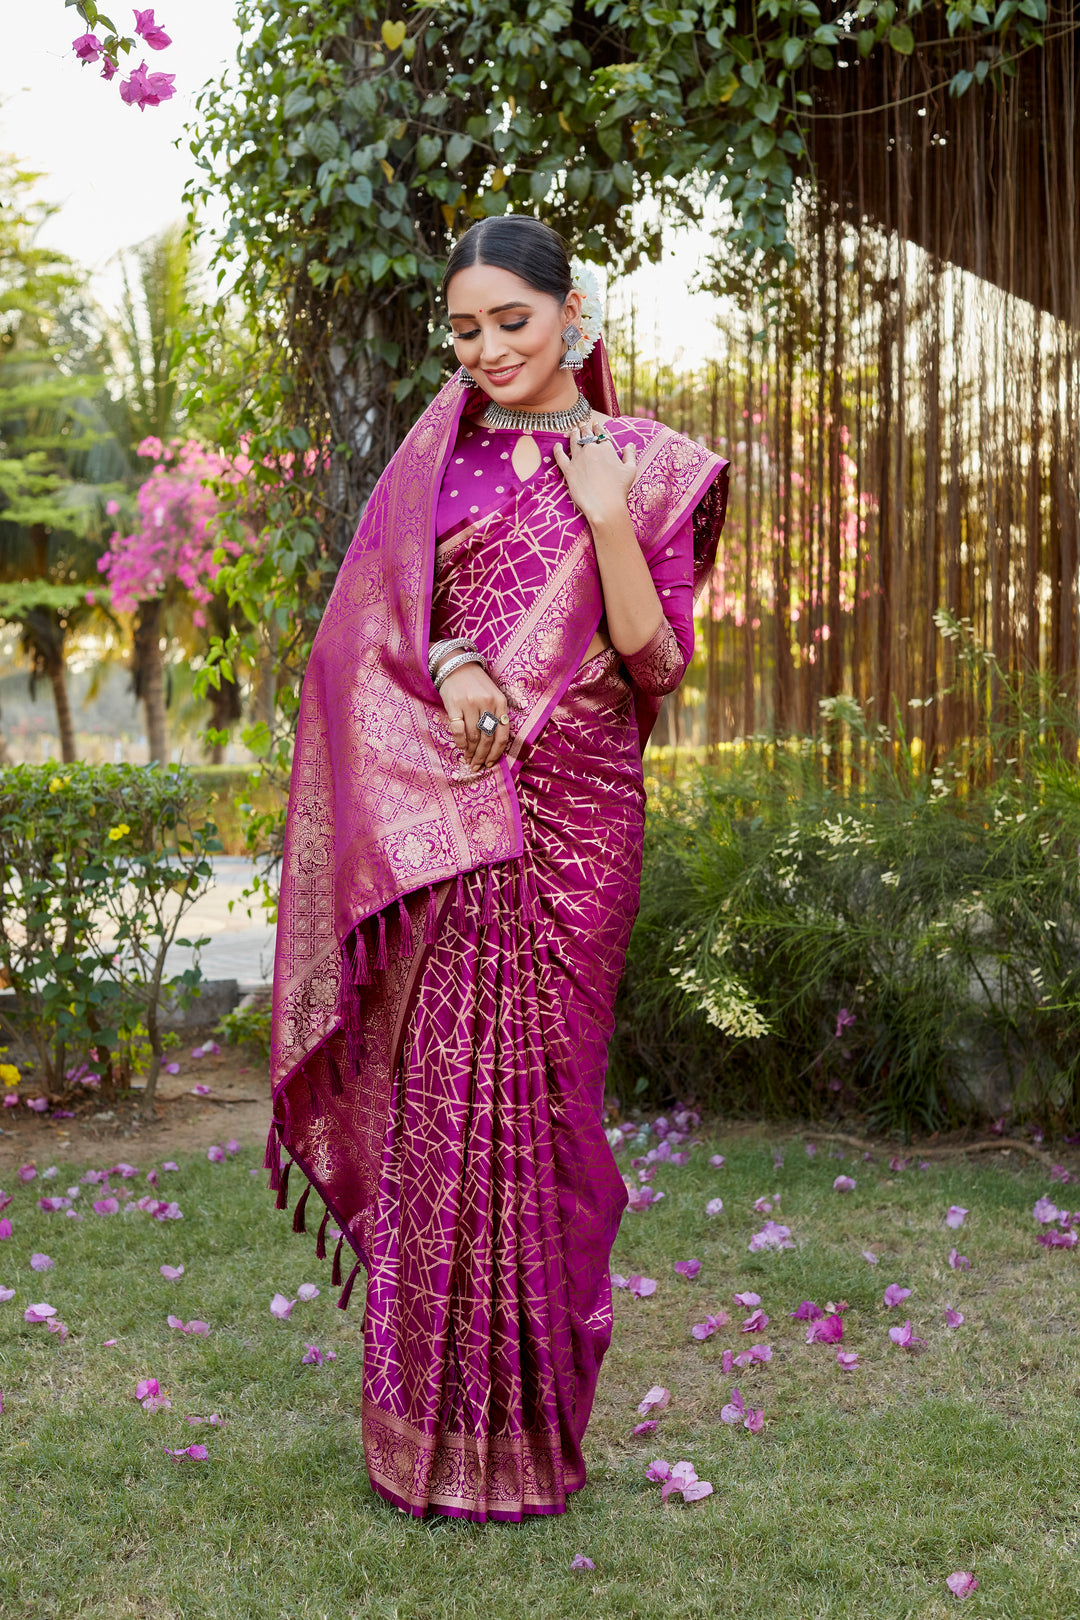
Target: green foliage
x=98, y=865
x=248, y=1025
x=940, y=907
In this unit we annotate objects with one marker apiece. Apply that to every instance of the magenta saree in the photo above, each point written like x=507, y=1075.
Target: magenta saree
x=449, y=948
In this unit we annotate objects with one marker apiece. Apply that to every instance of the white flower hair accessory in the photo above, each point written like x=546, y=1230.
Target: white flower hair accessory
x=589, y=321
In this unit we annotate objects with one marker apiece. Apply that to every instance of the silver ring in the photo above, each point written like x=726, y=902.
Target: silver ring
x=589, y=438
x=487, y=723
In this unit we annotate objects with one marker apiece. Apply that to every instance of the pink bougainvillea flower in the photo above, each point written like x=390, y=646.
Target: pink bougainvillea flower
x=110, y=1342
x=755, y=1420
x=771, y=1236
x=6, y=1228
x=688, y=1268
x=895, y=1295
x=172, y=1068
x=216, y=1154
x=145, y=1387
x=307, y=1291
x=171, y=1273
x=847, y=1360
x=26, y=1172
x=56, y=1326
x=955, y=1216
x=756, y=1322
x=904, y=1337
x=38, y=1104
x=811, y=1149
x=727, y=1361
x=697, y=1490
x=870, y=1257
x=156, y=1403
x=715, y=1206
x=6, y=1198
x=169, y=1212
x=39, y=1313
x=6, y=1294
x=655, y=1400
x=639, y=1198
x=844, y=1184
x=41, y=1262
x=87, y=47
x=658, y=1470
x=170, y=1164
x=897, y=1163
x=649, y=1426
x=735, y=1410
x=232, y=1146
x=1058, y=1172
x=145, y=89
x=579, y=1561
x=953, y=1318
x=747, y=1299
x=281, y=1307
x=106, y=1206
x=777, y=1159
x=717, y=1161
x=641, y=1287
x=124, y=1171
x=194, y=1326
x=11, y=1099
x=1058, y=1240
x=756, y=1353
x=762, y=1206
x=199, y=1453
x=315, y=1357
x=200, y=1090
x=1045, y=1211
x=830, y=1330
x=844, y=1020
x=807, y=1312
x=151, y=32
x=50, y=1174
x=682, y=1476
x=959, y=1262
x=962, y=1583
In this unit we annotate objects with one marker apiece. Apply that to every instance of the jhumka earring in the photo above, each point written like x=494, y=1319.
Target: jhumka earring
x=571, y=360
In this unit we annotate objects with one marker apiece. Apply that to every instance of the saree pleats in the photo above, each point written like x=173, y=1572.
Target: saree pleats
x=489, y=1303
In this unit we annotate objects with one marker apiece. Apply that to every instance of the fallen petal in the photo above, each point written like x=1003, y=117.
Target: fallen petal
x=56, y=1326
x=280, y=1306
x=756, y=1322
x=697, y=1490
x=579, y=1561
x=648, y=1427
x=870, y=1257
x=658, y=1470
x=755, y=1420
x=6, y=1294
x=718, y=1161
x=171, y=1273
x=962, y=1583
x=688, y=1268
x=735, y=1410
x=748, y=1300
x=145, y=1387
x=894, y=1294
x=715, y=1206
x=655, y=1401
x=39, y=1313
x=727, y=1361
x=41, y=1262
x=955, y=1216
x=807, y=1312
x=953, y=1319
x=844, y=1184
x=307, y=1291
x=830, y=1330
x=847, y=1360
x=959, y=1262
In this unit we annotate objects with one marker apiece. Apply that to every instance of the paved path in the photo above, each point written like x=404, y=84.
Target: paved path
x=241, y=946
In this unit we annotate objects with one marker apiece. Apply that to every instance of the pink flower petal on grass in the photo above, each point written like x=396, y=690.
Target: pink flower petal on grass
x=579, y=1561
x=6, y=1294
x=106, y=1206
x=307, y=1291
x=1045, y=1212
x=281, y=1307
x=847, y=1360
x=199, y=1453
x=655, y=1401
x=830, y=1330
x=844, y=1184
x=39, y=1313
x=962, y=1583
x=170, y=1164
x=735, y=1410
x=955, y=1216
x=895, y=1295
x=215, y=1154
x=6, y=1228
x=870, y=1257
x=717, y=1161
x=756, y=1322
x=650, y=1426
x=41, y=1262
x=145, y=1387
x=807, y=1311
x=171, y=1273
x=200, y=1090
x=959, y=1262
x=688, y=1268
x=756, y=1353
x=953, y=1319
x=904, y=1337
x=658, y=1470
x=697, y=1490
x=715, y=1206
x=755, y=1420
x=747, y=1299
x=56, y=1326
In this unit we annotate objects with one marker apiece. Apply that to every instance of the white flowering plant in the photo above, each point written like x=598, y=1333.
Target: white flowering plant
x=590, y=320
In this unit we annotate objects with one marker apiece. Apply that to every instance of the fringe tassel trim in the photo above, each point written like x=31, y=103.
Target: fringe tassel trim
x=320, y=1241
x=283, y=1190
x=382, y=960
x=299, y=1222
x=361, y=966
x=405, y=936
x=431, y=917
x=335, y=1270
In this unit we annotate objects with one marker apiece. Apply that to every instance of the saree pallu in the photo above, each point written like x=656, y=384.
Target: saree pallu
x=449, y=947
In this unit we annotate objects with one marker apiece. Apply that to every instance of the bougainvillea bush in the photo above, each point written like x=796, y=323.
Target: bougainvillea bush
x=98, y=865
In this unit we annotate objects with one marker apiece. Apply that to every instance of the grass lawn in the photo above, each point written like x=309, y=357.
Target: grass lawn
x=863, y=1492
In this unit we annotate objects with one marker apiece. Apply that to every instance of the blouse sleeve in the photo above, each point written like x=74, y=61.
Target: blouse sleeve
x=659, y=666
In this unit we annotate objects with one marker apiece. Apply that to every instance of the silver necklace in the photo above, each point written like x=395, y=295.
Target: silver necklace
x=497, y=416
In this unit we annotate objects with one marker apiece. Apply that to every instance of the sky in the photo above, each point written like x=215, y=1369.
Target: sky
x=118, y=174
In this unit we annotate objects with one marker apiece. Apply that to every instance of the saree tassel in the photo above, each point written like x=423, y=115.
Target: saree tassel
x=337, y=1085
x=335, y=1270
x=286, y=1123
x=299, y=1222
x=487, y=910
x=343, y=1299
x=406, y=943
x=431, y=917
x=459, y=901
x=283, y=1190
x=361, y=966
x=320, y=1241
x=381, y=958
x=272, y=1155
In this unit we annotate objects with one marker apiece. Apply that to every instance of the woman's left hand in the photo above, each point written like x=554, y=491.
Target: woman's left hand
x=598, y=477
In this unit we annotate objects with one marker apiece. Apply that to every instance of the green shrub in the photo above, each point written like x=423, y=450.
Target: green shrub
x=98, y=865
x=881, y=939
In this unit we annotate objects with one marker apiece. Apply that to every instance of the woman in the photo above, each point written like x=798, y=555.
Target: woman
x=461, y=875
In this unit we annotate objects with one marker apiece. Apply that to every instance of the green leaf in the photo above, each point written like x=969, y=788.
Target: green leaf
x=867, y=39
x=763, y=141
x=359, y=191
x=322, y=140
x=960, y=82
x=792, y=51
x=296, y=102
x=428, y=149
x=902, y=39
x=458, y=148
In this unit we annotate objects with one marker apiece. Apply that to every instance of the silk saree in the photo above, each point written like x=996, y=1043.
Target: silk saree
x=449, y=948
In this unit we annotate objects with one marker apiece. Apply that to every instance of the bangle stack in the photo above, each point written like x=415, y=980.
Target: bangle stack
x=466, y=654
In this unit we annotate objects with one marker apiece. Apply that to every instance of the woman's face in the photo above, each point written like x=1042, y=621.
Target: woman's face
x=508, y=336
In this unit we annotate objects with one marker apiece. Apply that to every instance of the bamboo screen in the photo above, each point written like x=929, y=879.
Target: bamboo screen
x=903, y=424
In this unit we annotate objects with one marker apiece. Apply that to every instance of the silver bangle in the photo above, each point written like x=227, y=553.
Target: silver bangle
x=439, y=651
x=471, y=657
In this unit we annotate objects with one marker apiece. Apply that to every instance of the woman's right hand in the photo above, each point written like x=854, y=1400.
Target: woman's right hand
x=465, y=695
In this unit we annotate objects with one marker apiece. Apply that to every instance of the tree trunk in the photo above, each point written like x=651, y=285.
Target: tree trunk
x=64, y=724
x=150, y=679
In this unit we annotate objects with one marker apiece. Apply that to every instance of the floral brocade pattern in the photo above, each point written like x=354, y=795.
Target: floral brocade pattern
x=659, y=666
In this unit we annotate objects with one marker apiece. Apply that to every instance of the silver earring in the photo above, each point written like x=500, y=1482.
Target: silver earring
x=571, y=360
x=465, y=378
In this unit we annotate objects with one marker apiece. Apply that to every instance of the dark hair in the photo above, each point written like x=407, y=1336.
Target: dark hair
x=518, y=243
